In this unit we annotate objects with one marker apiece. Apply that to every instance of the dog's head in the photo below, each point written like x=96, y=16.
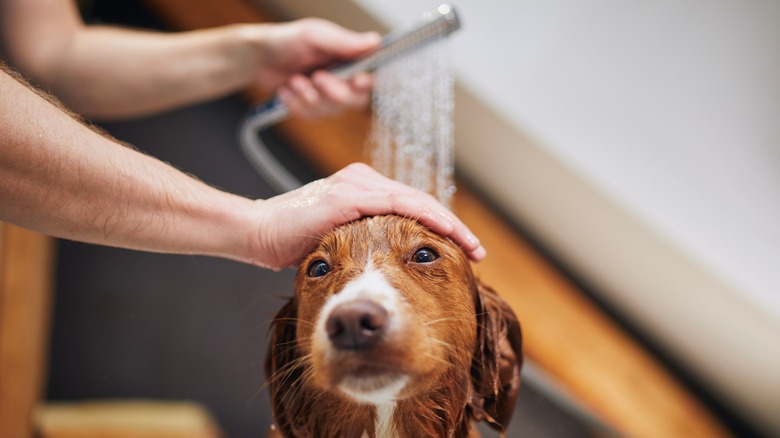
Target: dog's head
x=387, y=311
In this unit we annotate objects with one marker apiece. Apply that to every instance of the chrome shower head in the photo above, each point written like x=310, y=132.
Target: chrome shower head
x=435, y=23
x=432, y=25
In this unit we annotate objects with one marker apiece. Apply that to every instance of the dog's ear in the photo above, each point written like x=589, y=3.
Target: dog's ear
x=495, y=368
x=281, y=362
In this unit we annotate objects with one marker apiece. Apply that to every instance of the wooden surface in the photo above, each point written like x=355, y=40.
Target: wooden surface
x=26, y=263
x=570, y=338
x=125, y=419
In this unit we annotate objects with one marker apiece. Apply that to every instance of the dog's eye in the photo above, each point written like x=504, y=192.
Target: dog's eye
x=425, y=255
x=317, y=268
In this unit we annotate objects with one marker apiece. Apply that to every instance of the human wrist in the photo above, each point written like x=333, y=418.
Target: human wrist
x=253, y=43
x=231, y=225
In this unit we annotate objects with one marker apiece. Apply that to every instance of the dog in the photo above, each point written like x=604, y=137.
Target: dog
x=390, y=334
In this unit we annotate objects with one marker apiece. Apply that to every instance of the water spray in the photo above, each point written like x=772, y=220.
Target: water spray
x=432, y=26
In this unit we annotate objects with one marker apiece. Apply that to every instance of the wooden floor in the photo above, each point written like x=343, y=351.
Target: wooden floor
x=26, y=272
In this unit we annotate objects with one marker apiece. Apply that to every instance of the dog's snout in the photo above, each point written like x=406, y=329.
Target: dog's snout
x=356, y=324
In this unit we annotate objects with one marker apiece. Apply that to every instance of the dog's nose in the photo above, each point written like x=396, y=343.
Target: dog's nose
x=356, y=325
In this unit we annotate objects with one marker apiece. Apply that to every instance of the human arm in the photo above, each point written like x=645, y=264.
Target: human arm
x=59, y=177
x=109, y=73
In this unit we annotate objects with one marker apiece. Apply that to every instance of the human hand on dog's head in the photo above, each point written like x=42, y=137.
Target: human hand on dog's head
x=290, y=224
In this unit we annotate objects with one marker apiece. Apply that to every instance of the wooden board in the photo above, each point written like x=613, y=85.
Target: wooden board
x=569, y=337
x=125, y=419
x=26, y=262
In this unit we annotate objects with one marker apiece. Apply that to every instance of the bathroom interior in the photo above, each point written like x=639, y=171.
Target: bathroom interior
x=620, y=162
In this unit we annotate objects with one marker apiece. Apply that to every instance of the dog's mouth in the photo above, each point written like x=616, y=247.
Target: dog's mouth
x=370, y=372
x=372, y=383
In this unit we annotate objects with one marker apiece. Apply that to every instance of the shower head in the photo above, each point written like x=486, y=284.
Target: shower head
x=432, y=25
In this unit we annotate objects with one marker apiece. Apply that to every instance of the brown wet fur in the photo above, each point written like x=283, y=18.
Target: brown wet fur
x=460, y=343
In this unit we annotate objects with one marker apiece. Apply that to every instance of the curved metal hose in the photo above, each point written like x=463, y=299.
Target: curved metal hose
x=255, y=150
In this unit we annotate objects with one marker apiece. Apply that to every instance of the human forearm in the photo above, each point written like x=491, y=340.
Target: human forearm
x=110, y=73
x=59, y=177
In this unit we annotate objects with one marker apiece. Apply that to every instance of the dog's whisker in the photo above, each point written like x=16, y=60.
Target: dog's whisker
x=447, y=319
x=293, y=320
x=450, y=348
x=440, y=360
x=288, y=369
x=294, y=342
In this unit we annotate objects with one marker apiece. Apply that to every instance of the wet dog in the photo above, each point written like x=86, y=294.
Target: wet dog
x=390, y=334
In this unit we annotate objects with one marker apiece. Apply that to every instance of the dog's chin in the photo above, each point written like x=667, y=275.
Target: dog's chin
x=373, y=387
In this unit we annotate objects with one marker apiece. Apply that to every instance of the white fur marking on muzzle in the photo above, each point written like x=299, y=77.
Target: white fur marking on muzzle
x=370, y=285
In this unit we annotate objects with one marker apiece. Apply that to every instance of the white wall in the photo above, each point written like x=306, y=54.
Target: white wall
x=640, y=140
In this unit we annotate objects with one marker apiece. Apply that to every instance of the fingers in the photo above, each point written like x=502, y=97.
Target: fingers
x=317, y=42
x=303, y=99
x=439, y=219
x=381, y=195
x=290, y=223
x=352, y=93
x=325, y=94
